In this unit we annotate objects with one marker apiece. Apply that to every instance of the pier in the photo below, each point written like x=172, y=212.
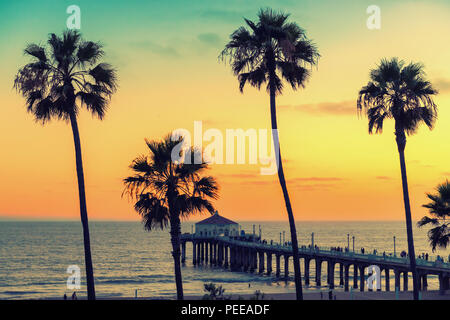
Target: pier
x=239, y=254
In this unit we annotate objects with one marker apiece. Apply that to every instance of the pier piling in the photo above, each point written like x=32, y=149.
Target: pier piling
x=250, y=256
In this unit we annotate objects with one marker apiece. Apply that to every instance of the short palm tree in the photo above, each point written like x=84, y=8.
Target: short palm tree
x=402, y=93
x=439, y=208
x=166, y=190
x=62, y=78
x=269, y=51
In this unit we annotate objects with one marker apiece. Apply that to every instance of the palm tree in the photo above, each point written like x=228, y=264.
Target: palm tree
x=273, y=49
x=402, y=93
x=62, y=78
x=439, y=209
x=167, y=190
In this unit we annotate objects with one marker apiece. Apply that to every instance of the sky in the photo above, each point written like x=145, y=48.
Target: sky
x=166, y=56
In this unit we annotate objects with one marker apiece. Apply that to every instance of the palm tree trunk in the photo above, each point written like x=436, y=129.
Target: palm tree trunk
x=401, y=143
x=83, y=210
x=175, y=233
x=295, y=256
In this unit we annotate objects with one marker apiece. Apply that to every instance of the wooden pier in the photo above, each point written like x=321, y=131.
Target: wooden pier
x=242, y=255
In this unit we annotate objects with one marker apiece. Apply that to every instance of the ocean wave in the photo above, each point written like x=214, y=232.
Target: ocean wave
x=120, y=281
x=232, y=280
x=152, y=276
x=20, y=292
x=29, y=284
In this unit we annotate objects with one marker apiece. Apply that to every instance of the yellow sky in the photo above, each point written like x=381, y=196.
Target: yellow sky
x=335, y=170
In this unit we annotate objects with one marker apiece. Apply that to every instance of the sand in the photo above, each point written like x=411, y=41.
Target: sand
x=356, y=295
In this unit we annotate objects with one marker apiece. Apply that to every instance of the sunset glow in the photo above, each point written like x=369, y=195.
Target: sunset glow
x=169, y=74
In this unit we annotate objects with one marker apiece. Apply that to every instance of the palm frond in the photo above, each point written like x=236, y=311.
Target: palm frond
x=398, y=91
x=94, y=102
x=427, y=220
x=166, y=190
x=256, y=78
x=206, y=186
x=36, y=51
x=153, y=212
x=104, y=74
x=294, y=74
x=89, y=52
x=439, y=237
x=270, y=50
x=58, y=75
x=439, y=209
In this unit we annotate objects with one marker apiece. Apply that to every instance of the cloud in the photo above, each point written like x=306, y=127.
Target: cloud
x=383, y=178
x=309, y=179
x=315, y=186
x=223, y=15
x=241, y=175
x=443, y=85
x=314, y=183
x=301, y=183
x=343, y=108
x=209, y=38
x=166, y=51
x=212, y=122
x=419, y=163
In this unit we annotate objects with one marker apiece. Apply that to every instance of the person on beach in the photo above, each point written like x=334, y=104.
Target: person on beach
x=74, y=296
x=65, y=296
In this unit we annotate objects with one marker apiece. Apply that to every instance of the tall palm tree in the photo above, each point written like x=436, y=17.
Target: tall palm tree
x=61, y=78
x=269, y=51
x=402, y=93
x=439, y=208
x=167, y=190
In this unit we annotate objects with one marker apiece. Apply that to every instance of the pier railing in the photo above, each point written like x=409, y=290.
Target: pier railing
x=249, y=255
x=327, y=251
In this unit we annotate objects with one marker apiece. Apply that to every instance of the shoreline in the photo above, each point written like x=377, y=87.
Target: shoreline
x=342, y=295
x=337, y=295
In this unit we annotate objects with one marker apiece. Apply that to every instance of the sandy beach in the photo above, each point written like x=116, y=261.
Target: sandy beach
x=323, y=295
x=356, y=295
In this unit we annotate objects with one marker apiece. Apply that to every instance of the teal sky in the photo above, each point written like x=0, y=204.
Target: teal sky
x=183, y=28
x=159, y=20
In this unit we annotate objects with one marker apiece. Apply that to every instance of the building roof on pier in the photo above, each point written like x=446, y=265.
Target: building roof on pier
x=216, y=219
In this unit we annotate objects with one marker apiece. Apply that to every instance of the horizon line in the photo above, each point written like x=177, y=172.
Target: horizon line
x=30, y=219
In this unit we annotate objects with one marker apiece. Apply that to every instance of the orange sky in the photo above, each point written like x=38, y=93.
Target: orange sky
x=335, y=170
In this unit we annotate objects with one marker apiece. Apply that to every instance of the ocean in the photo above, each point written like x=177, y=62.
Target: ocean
x=35, y=255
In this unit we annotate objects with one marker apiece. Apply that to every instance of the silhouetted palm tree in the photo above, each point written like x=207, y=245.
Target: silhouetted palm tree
x=61, y=79
x=167, y=190
x=402, y=93
x=439, y=209
x=269, y=51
